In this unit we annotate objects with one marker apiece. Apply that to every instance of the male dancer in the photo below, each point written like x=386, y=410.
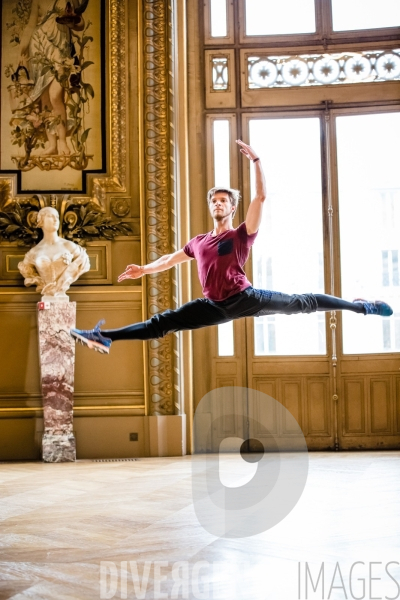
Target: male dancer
x=229, y=295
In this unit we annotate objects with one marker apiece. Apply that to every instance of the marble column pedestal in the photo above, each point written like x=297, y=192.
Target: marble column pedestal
x=57, y=359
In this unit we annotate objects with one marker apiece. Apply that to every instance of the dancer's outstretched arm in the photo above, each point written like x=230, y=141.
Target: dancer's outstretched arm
x=161, y=264
x=254, y=213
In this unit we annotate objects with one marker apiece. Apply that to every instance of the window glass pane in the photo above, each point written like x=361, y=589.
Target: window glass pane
x=369, y=208
x=225, y=339
x=221, y=138
x=220, y=73
x=268, y=17
x=218, y=18
x=287, y=254
x=365, y=14
x=222, y=177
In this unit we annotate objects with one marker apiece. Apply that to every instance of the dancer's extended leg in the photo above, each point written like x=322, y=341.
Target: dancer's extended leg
x=326, y=303
x=290, y=304
x=192, y=315
x=377, y=307
x=203, y=313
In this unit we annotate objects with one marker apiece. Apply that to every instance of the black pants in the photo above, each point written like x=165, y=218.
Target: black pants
x=249, y=303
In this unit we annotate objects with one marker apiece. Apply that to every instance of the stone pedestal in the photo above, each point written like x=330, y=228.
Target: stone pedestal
x=57, y=359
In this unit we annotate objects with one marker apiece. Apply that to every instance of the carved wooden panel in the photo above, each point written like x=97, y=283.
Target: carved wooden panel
x=225, y=96
x=354, y=405
x=258, y=411
x=292, y=399
x=227, y=415
x=267, y=387
x=397, y=404
x=227, y=424
x=380, y=405
x=317, y=407
x=226, y=368
x=225, y=382
x=306, y=398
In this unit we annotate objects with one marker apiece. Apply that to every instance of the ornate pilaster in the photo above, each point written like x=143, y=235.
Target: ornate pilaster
x=173, y=105
x=157, y=193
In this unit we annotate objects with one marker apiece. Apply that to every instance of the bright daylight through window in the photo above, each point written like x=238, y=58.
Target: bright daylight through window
x=222, y=177
x=264, y=17
x=287, y=254
x=218, y=18
x=369, y=205
x=365, y=14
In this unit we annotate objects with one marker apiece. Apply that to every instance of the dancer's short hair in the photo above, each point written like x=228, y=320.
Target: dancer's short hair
x=234, y=195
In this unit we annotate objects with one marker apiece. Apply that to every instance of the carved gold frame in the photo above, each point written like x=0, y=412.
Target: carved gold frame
x=115, y=180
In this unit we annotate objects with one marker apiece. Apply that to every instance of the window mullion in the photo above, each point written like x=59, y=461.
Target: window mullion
x=323, y=20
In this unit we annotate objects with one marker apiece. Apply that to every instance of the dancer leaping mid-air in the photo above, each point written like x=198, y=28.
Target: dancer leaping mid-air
x=228, y=294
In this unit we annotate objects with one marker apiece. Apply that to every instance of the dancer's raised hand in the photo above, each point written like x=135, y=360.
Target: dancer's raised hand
x=247, y=150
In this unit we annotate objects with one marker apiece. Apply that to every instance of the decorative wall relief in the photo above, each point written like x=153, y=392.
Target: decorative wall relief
x=120, y=207
x=80, y=220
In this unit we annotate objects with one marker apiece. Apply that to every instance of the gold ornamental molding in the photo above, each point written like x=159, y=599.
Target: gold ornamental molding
x=117, y=41
x=157, y=194
x=115, y=180
x=6, y=191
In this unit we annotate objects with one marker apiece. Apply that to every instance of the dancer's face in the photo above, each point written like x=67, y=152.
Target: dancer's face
x=220, y=206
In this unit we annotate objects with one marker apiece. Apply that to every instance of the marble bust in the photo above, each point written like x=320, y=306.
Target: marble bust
x=54, y=263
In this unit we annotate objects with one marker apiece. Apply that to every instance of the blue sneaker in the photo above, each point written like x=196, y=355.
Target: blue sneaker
x=378, y=307
x=92, y=338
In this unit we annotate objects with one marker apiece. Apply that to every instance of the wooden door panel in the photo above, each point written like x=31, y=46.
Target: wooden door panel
x=263, y=415
x=318, y=417
x=292, y=400
x=397, y=405
x=354, y=406
x=307, y=399
x=370, y=411
x=221, y=417
x=380, y=406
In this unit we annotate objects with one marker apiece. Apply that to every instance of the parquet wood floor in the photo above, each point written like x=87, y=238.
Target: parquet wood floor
x=61, y=523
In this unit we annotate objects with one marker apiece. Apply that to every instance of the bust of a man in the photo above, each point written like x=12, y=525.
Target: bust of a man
x=54, y=263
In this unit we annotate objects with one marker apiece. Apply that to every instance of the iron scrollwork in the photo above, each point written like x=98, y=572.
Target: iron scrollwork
x=326, y=69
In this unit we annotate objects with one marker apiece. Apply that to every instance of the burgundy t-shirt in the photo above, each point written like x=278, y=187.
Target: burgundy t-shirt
x=220, y=259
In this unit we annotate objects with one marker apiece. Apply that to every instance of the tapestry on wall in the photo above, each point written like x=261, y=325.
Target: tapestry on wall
x=52, y=82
